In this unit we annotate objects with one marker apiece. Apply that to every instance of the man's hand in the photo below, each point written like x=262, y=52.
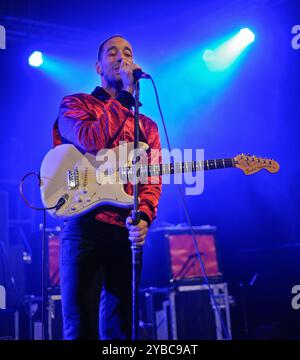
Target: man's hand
x=126, y=70
x=137, y=233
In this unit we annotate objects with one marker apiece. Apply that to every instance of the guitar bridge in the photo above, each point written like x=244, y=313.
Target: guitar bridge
x=73, y=179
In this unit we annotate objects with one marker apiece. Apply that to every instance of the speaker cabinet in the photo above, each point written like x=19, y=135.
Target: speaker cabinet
x=185, y=312
x=194, y=315
x=169, y=256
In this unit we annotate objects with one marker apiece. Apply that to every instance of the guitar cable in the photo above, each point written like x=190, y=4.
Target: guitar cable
x=57, y=206
x=188, y=218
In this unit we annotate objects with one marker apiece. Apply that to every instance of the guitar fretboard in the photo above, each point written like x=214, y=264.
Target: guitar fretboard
x=183, y=167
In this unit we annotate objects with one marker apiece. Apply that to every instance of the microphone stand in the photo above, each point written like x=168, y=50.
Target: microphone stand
x=136, y=250
x=45, y=272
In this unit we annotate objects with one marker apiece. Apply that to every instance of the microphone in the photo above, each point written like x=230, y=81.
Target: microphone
x=140, y=74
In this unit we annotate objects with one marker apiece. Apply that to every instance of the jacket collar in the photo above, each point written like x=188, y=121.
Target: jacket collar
x=103, y=95
x=100, y=94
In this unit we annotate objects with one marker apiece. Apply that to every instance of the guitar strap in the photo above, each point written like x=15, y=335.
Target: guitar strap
x=117, y=134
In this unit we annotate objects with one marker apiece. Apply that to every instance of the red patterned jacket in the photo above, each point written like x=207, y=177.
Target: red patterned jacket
x=91, y=122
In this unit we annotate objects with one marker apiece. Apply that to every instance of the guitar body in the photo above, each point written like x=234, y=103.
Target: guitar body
x=67, y=173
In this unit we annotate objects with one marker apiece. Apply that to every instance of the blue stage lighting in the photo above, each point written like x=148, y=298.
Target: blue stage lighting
x=221, y=57
x=208, y=55
x=35, y=59
x=246, y=36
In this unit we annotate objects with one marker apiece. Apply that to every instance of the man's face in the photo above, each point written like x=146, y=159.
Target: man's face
x=114, y=51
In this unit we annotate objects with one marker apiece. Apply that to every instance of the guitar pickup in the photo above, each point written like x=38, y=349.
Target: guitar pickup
x=73, y=179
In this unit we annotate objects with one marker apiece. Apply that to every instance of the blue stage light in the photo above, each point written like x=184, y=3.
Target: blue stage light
x=35, y=59
x=246, y=36
x=221, y=57
x=208, y=55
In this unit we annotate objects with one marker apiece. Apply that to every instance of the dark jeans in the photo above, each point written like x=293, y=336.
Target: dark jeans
x=95, y=256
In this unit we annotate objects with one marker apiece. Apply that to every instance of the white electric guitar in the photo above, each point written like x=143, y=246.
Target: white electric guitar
x=72, y=184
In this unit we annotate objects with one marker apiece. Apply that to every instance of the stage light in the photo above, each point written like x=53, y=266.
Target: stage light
x=208, y=55
x=246, y=36
x=221, y=57
x=35, y=59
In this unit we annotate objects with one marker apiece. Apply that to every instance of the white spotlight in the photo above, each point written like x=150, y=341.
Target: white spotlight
x=35, y=59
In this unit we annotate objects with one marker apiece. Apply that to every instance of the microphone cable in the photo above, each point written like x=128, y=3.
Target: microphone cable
x=188, y=218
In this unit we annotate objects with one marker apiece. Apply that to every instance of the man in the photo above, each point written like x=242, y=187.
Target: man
x=95, y=248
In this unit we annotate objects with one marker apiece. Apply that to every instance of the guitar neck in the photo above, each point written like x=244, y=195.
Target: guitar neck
x=184, y=167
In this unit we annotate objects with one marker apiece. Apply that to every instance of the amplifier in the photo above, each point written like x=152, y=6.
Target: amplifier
x=12, y=277
x=154, y=307
x=52, y=239
x=54, y=317
x=169, y=256
x=53, y=253
x=34, y=270
x=194, y=315
x=9, y=324
x=55, y=323
x=185, y=313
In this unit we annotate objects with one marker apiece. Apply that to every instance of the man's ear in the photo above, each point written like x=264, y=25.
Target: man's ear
x=98, y=68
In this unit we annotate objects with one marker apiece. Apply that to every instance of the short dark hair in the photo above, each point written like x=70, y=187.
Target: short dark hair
x=105, y=41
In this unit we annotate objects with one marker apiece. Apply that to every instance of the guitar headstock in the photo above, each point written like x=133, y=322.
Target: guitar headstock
x=252, y=164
